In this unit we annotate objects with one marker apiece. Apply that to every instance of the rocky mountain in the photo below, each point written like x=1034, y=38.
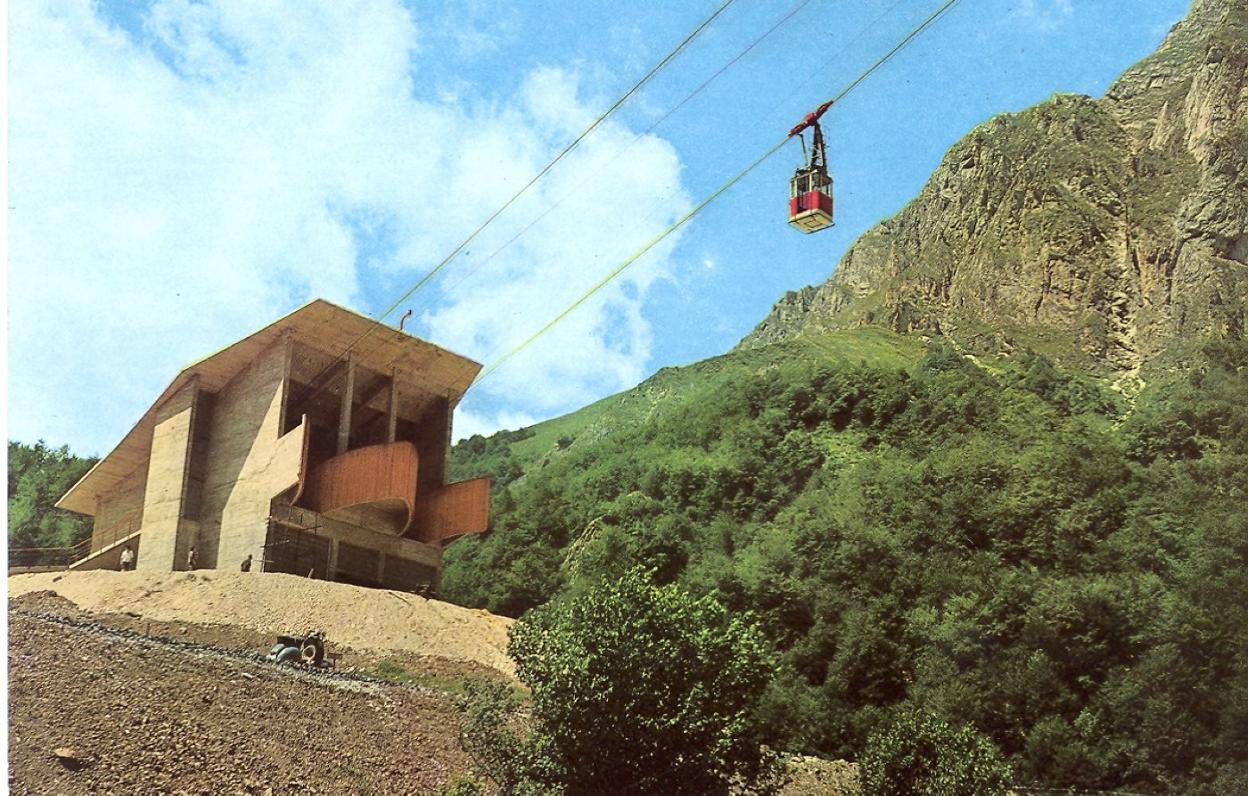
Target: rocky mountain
x=1096, y=231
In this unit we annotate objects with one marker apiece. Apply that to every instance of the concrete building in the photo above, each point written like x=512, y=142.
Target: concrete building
x=282, y=448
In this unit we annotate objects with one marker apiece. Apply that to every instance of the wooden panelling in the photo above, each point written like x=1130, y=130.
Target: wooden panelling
x=382, y=474
x=453, y=510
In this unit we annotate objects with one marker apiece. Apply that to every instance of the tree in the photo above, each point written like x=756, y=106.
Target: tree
x=643, y=689
x=918, y=754
x=38, y=476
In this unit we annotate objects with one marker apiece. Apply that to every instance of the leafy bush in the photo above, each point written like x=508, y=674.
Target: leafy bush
x=462, y=786
x=918, y=754
x=502, y=744
x=636, y=689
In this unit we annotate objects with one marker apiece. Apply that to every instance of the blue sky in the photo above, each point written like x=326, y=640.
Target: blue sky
x=183, y=173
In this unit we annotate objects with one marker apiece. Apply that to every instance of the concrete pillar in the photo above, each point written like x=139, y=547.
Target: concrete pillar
x=344, y=413
x=331, y=567
x=166, y=536
x=392, y=410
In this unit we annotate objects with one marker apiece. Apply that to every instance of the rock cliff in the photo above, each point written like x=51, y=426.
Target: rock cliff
x=1097, y=231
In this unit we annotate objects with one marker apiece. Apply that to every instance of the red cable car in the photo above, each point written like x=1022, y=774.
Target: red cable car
x=810, y=190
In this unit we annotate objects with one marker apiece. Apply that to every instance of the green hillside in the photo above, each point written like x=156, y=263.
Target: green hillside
x=1002, y=541
x=508, y=453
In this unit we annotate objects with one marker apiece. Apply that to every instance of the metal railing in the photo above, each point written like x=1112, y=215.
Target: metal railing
x=125, y=525
x=62, y=556
x=45, y=556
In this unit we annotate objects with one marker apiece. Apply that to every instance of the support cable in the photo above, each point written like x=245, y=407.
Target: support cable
x=775, y=26
x=523, y=189
x=714, y=195
x=562, y=154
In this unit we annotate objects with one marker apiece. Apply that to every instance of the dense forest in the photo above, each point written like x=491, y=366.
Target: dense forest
x=998, y=541
x=38, y=476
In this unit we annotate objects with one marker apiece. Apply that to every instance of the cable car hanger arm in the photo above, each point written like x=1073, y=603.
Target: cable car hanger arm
x=812, y=118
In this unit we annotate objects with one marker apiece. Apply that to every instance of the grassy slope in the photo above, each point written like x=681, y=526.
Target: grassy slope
x=873, y=345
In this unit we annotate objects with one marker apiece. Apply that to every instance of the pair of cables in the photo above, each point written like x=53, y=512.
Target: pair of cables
x=673, y=227
x=687, y=217
x=320, y=382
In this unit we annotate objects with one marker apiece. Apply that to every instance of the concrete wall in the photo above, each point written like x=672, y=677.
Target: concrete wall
x=166, y=482
x=248, y=463
x=120, y=513
x=219, y=459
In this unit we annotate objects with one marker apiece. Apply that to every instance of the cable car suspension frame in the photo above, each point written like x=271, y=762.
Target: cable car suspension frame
x=810, y=189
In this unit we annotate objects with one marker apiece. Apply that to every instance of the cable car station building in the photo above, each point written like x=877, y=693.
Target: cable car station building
x=282, y=448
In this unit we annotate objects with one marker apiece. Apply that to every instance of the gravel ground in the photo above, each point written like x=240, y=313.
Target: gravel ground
x=377, y=620
x=813, y=776
x=95, y=711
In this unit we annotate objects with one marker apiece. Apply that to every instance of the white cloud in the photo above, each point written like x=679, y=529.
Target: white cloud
x=1042, y=16
x=608, y=207
x=177, y=190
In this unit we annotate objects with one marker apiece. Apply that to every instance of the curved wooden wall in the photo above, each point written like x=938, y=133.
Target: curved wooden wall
x=373, y=474
x=453, y=510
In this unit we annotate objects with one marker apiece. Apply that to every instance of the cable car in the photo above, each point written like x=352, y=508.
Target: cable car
x=810, y=190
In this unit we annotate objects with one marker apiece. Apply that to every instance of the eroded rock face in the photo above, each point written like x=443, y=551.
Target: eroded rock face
x=1095, y=231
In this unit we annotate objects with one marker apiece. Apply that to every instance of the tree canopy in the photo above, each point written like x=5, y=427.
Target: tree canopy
x=1006, y=544
x=38, y=476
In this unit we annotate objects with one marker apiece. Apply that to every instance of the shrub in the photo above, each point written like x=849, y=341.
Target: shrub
x=501, y=743
x=462, y=786
x=919, y=754
x=636, y=689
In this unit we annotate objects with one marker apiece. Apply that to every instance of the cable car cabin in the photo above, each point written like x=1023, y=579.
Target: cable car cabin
x=810, y=200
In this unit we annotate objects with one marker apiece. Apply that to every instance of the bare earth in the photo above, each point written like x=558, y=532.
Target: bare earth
x=350, y=616
x=93, y=713
x=152, y=684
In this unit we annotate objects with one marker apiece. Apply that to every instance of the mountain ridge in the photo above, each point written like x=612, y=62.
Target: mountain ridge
x=1096, y=231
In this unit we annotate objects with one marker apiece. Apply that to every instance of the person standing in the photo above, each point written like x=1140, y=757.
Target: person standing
x=127, y=558
x=246, y=566
x=192, y=559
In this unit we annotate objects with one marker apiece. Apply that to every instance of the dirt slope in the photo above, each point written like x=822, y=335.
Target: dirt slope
x=364, y=619
x=177, y=700
x=130, y=716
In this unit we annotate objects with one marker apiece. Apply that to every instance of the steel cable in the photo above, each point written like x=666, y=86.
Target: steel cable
x=713, y=196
